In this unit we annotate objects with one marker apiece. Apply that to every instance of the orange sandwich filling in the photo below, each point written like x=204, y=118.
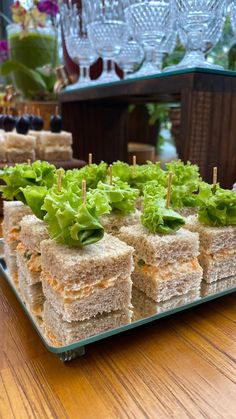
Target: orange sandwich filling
x=71, y=295
x=166, y=271
x=32, y=259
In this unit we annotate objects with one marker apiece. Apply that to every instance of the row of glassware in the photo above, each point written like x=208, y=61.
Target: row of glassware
x=137, y=34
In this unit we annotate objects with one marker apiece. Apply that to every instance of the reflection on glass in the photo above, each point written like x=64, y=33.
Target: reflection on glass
x=218, y=286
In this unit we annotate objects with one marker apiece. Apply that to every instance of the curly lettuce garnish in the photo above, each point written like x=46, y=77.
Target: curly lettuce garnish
x=140, y=174
x=34, y=197
x=159, y=219
x=92, y=173
x=70, y=221
x=219, y=209
x=181, y=195
x=23, y=175
x=183, y=172
x=120, y=195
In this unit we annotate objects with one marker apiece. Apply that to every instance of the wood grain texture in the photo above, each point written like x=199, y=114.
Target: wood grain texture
x=178, y=367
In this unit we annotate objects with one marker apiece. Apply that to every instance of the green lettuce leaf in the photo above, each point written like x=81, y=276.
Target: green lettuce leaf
x=34, y=197
x=23, y=175
x=219, y=209
x=159, y=219
x=92, y=173
x=69, y=221
x=120, y=195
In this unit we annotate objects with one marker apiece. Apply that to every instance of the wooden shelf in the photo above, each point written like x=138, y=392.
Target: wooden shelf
x=98, y=117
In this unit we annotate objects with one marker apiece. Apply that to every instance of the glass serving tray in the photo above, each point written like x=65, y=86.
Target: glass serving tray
x=80, y=334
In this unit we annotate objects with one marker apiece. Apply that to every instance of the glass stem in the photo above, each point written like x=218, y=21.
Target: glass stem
x=106, y=66
x=194, y=44
x=84, y=74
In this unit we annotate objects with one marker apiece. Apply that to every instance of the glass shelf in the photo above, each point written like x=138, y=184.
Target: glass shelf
x=157, y=76
x=144, y=310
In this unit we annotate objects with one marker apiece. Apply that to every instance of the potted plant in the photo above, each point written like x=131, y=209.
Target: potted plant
x=33, y=49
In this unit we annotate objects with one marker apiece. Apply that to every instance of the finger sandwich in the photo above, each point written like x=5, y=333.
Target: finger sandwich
x=165, y=265
x=51, y=146
x=19, y=147
x=217, y=249
x=81, y=283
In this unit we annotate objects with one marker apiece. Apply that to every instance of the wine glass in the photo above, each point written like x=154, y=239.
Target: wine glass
x=148, y=21
x=167, y=46
x=195, y=17
x=107, y=31
x=130, y=58
x=77, y=43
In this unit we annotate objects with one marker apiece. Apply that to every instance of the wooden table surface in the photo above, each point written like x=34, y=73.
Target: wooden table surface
x=178, y=367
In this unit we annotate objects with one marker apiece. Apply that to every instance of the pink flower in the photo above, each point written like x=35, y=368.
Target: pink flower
x=3, y=51
x=48, y=6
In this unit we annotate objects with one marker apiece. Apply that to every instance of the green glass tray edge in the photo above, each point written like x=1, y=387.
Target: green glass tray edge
x=157, y=76
x=84, y=342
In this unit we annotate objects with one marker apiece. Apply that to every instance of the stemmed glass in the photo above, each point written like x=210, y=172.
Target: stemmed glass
x=167, y=46
x=194, y=18
x=77, y=43
x=107, y=31
x=130, y=58
x=148, y=21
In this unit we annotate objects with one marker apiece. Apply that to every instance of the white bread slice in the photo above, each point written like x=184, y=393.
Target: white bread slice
x=79, y=267
x=33, y=232
x=144, y=306
x=13, y=212
x=13, y=140
x=168, y=281
x=116, y=296
x=212, y=239
x=65, y=333
x=157, y=249
x=218, y=286
x=18, y=155
x=113, y=222
x=219, y=265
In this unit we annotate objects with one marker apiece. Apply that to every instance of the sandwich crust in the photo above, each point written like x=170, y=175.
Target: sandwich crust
x=33, y=232
x=157, y=249
x=78, y=267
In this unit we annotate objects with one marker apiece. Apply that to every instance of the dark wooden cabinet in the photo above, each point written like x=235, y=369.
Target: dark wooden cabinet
x=98, y=117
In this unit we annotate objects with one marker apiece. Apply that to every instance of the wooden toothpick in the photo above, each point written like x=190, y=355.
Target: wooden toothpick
x=215, y=174
x=29, y=162
x=169, y=189
x=90, y=159
x=134, y=163
x=59, y=175
x=110, y=174
x=83, y=191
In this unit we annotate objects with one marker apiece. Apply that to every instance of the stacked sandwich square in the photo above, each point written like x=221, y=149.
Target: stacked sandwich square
x=165, y=265
x=33, y=231
x=81, y=283
x=14, y=211
x=19, y=147
x=217, y=249
x=52, y=146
